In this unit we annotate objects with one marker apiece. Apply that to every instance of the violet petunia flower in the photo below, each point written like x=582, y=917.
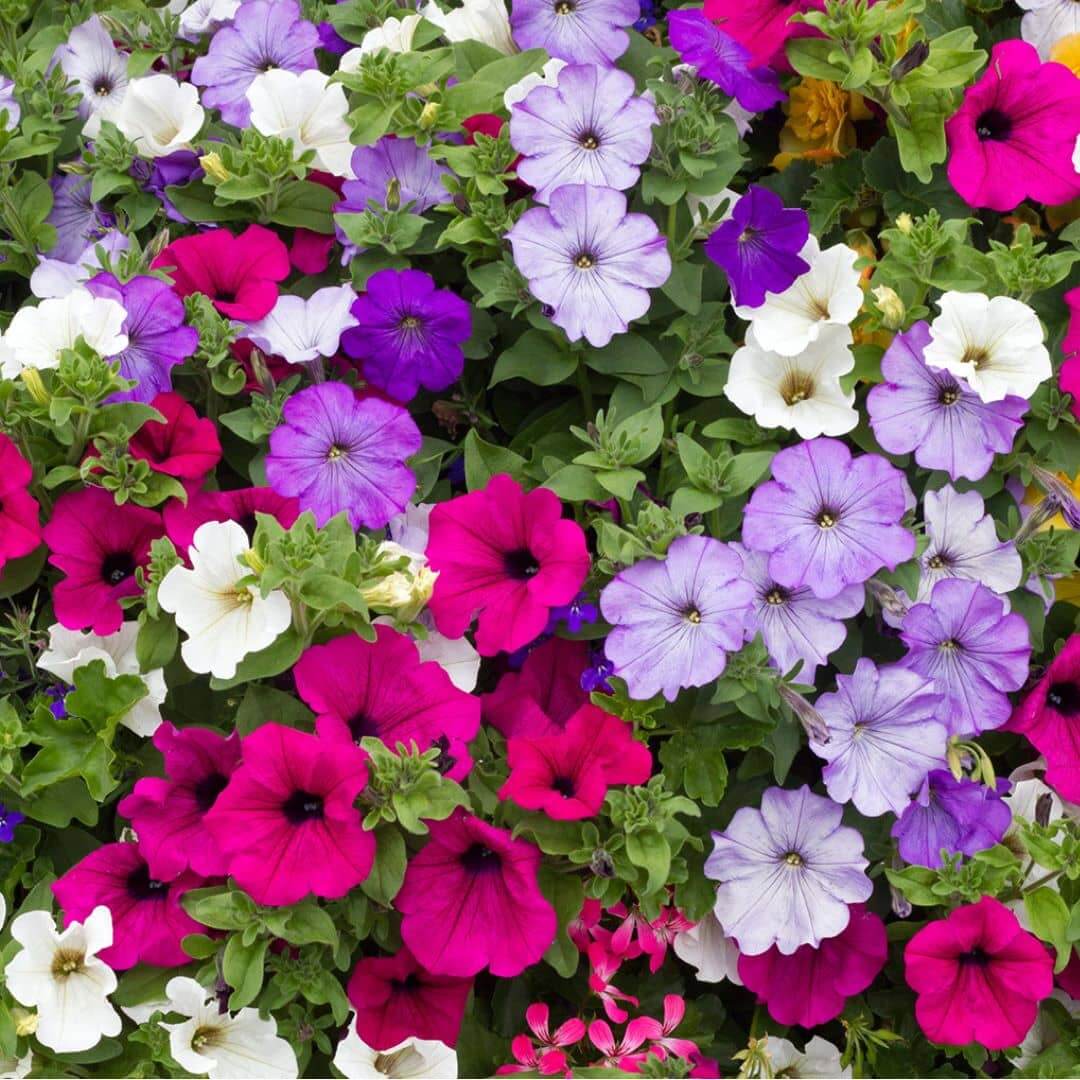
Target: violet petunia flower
x=176, y=169
x=957, y=815
x=589, y=128
x=577, y=31
x=787, y=872
x=97, y=67
x=938, y=416
x=300, y=331
x=337, y=453
x=590, y=261
x=675, y=619
x=264, y=34
x=973, y=651
x=758, y=246
x=828, y=520
x=78, y=220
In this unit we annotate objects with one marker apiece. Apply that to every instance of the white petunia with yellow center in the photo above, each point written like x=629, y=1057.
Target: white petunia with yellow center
x=487, y=21
x=158, y=114
x=222, y=612
x=994, y=345
x=395, y=35
x=426, y=1058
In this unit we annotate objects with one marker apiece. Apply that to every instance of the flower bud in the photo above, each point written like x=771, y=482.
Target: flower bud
x=26, y=1023
x=915, y=57
x=393, y=194
x=905, y=223
x=891, y=307
x=429, y=114
x=213, y=166
x=31, y=377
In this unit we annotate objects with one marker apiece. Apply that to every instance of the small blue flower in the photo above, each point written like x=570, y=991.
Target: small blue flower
x=8, y=820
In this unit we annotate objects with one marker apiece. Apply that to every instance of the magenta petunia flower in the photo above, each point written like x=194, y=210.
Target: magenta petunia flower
x=577, y=31
x=286, y=820
x=148, y=919
x=240, y=505
x=1015, y=131
x=20, y=529
x=395, y=999
x=167, y=812
x=98, y=545
x=185, y=446
x=508, y=555
x=810, y=986
x=471, y=900
x=762, y=26
x=380, y=688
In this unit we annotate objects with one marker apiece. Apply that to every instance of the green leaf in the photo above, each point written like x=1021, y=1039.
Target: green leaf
x=811, y=57
x=836, y=190
x=242, y=966
x=264, y=704
x=388, y=870
x=683, y=287
x=266, y=663
x=1049, y=918
x=21, y=573
x=565, y=893
x=196, y=201
x=309, y=924
x=156, y=644
x=483, y=460
x=694, y=766
x=921, y=141
x=575, y=483
x=306, y=205
x=536, y=357
x=649, y=850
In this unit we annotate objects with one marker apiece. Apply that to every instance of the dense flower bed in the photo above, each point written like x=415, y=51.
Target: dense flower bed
x=539, y=538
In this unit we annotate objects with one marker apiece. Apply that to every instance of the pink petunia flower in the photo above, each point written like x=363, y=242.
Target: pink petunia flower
x=763, y=27
x=240, y=505
x=471, y=900
x=167, y=813
x=381, y=688
x=185, y=445
x=626, y=1054
x=509, y=556
x=20, y=529
x=286, y=820
x=604, y=966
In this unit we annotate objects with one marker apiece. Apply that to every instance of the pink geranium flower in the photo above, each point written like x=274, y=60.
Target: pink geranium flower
x=810, y=986
x=381, y=688
x=20, y=529
x=240, y=274
x=545, y=1051
x=286, y=820
x=626, y=1053
x=148, y=919
x=471, y=899
x=567, y=775
x=979, y=977
x=185, y=445
x=636, y=935
x=507, y=554
x=396, y=999
x=667, y=1043
x=1013, y=136
x=98, y=545
x=167, y=813
x=604, y=966
x=240, y=505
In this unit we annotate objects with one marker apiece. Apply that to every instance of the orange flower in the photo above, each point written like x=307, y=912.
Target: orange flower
x=820, y=122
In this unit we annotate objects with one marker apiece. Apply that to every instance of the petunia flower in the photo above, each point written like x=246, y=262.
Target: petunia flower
x=157, y=113
x=577, y=31
x=184, y=445
x=77, y=219
x=709, y=951
x=486, y=21
x=819, y=1059
x=20, y=528
x=762, y=26
x=241, y=505
x=201, y=17
x=53, y=278
x=299, y=330
x=9, y=104
x=394, y=35
x=417, y=174
x=548, y=75
x=1046, y=22
x=410, y=1059
x=97, y=67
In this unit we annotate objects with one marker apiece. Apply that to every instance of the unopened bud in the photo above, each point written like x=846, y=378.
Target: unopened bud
x=393, y=194
x=251, y=558
x=213, y=166
x=888, y=599
x=812, y=721
x=158, y=243
x=915, y=57
x=26, y=1023
x=1043, y=806
x=890, y=306
x=429, y=114
x=31, y=378
x=905, y=223
x=1061, y=493
x=601, y=864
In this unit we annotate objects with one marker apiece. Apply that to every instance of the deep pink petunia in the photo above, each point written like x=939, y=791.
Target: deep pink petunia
x=1015, y=131
x=471, y=899
x=567, y=775
x=186, y=445
x=810, y=986
x=396, y=999
x=240, y=274
x=762, y=26
x=286, y=820
x=149, y=922
x=1050, y=718
x=240, y=505
x=979, y=977
x=167, y=812
x=507, y=554
x=541, y=697
x=98, y=545
x=381, y=688
x=20, y=529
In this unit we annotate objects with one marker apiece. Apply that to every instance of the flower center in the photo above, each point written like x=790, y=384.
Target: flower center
x=1064, y=697
x=361, y=725
x=117, y=567
x=692, y=615
x=976, y=957
x=949, y=396
x=67, y=962
x=797, y=386
x=335, y=452
x=208, y=789
x=248, y=523
x=410, y=322
x=827, y=519
x=406, y=985
x=204, y=1036
x=793, y=859
x=403, y=1062
x=589, y=141
x=993, y=125
x=480, y=859
x=776, y=596
x=564, y=785
x=521, y=564
x=950, y=645
x=141, y=886
x=976, y=356
x=585, y=261
x=103, y=87
x=565, y=7
x=302, y=806
x=937, y=561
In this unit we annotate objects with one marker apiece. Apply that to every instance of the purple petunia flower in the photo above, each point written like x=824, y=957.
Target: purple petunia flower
x=936, y=415
x=336, y=453
x=828, y=520
x=675, y=619
x=590, y=261
x=794, y=623
x=158, y=338
x=721, y=59
x=9, y=104
x=264, y=34
x=975, y=652
x=8, y=820
x=155, y=175
x=787, y=871
x=91, y=60
x=589, y=128
x=885, y=735
x=577, y=31
x=78, y=220
x=957, y=815
x=409, y=333
x=758, y=246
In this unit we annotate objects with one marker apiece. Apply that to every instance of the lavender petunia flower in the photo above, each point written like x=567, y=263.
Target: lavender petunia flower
x=590, y=260
x=409, y=333
x=158, y=338
x=758, y=246
x=675, y=619
x=828, y=520
x=54, y=277
x=936, y=415
x=787, y=872
x=300, y=330
x=78, y=220
x=974, y=652
x=9, y=819
x=96, y=65
x=957, y=815
x=577, y=31
x=721, y=59
x=9, y=104
x=336, y=453
x=885, y=735
x=589, y=128
x=263, y=35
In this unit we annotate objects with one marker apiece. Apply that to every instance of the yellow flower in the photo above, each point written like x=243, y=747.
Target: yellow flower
x=1067, y=52
x=821, y=122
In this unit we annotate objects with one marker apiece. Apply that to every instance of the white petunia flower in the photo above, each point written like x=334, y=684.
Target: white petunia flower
x=70, y=650
x=819, y=1059
x=548, y=75
x=828, y=292
x=1076, y=155
x=1046, y=22
x=486, y=21
x=300, y=330
x=202, y=16
x=158, y=114
x=456, y=656
x=395, y=35
x=410, y=528
x=221, y=1045
x=1043, y=1033
x=54, y=278
x=307, y=109
x=425, y=1058
x=708, y=950
x=60, y=975
x=801, y=392
x=16, y=1068
x=38, y=335
x=224, y=620
x=994, y=345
